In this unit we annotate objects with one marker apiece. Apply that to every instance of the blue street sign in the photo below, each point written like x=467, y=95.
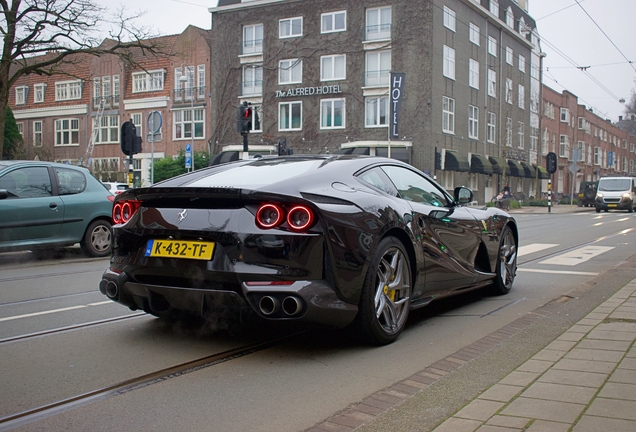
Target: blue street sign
x=188, y=161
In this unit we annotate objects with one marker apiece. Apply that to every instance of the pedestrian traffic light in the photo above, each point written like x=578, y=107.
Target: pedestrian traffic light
x=127, y=137
x=551, y=162
x=244, y=118
x=130, y=142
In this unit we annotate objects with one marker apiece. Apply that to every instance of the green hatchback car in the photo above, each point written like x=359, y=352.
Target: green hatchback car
x=47, y=205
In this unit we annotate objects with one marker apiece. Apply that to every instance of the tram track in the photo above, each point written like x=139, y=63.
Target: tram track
x=54, y=408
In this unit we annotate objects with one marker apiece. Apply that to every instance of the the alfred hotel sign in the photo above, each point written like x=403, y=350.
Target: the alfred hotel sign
x=309, y=91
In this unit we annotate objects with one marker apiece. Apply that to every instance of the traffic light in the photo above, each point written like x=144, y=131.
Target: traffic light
x=244, y=118
x=551, y=162
x=127, y=137
x=130, y=142
x=282, y=147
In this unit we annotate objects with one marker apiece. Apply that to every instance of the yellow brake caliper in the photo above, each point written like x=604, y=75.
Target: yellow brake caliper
x=386, y=290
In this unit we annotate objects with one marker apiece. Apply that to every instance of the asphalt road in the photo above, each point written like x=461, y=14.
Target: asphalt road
x=290, y=386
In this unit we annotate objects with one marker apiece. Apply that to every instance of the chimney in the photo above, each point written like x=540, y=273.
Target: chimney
x=620, y=118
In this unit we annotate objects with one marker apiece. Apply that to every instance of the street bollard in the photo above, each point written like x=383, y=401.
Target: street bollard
x=549, y=195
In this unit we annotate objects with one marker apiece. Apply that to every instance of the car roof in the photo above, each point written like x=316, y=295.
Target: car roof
x=11, y=163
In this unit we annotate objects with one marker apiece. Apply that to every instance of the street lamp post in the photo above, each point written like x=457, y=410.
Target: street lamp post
x=184, y=79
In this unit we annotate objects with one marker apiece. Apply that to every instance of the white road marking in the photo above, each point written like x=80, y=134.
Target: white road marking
x=534, y=247
x=15, y=317
x=577, y=256
x=557, y=272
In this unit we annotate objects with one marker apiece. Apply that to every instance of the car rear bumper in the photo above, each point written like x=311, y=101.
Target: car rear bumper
x=311, y=302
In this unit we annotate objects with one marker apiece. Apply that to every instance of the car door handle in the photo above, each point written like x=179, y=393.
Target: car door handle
x=53, y=206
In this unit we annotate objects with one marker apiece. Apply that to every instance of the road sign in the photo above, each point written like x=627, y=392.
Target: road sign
x=153, y=137
x=154, y=122
x=188, y=156
x=573, y=167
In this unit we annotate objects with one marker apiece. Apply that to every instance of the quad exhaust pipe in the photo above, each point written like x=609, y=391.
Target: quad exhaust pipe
x=270, y=305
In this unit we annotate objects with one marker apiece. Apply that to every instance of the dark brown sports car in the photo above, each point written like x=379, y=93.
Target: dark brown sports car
x=323, y=240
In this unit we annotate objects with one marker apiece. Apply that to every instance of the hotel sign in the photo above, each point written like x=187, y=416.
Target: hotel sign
x=309, y=91
x=397, y=92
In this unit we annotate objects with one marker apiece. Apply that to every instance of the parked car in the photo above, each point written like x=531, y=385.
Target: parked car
x=616, y=193
x=46, y=205
x=587, y=194
x=116, y=188
x=322, y=240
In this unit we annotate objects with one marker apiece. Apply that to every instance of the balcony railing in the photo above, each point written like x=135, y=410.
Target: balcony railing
x=251, y=88
x=184, y=95
x=377, y=32
x=377, y=78
x=251, y=46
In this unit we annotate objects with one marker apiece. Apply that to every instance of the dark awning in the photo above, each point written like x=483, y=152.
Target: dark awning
x=456, y=162
x=224, y=157
x=516, y=170
x=479, y=164
x=529, y=171
x=543, y=173
x=499, y=165
x=354, y=150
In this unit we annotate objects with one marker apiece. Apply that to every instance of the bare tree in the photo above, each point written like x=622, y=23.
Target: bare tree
x=630, y=106
x=43, y=36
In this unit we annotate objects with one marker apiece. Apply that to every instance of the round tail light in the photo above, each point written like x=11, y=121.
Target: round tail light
x=269, y=216
x=300, y=218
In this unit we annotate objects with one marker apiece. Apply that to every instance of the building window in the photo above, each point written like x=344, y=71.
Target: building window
x=564, y=146
x=565, y=115
x=290, y=27
x=185, y=121
x=38, y=93
x=257, y=115
x=581, y=154
x=37, y=133
x=473, y=74
x=534, y=101
x=67, y=132
x=378, y=68
x=490, y=127
x=332, y=114
x=473, y=122
x=21, y=95
x=545, y=138
x=522, y=133
x=522, y=96
x=252, y=39
x=510, y=17
x=333, y=67
x=534, y=138
x=333, y=22
x=449, y=62
x=115, y=90
x=492, y=46
x=508, y=132
x=522, y=63
x=449, y=18
x=68, y=90
x=20, y=126
x=494, y=8
x=473, y=34
x=376, y=111
x=252, y=80
x=492, y=83
x=508, y=90
x=509, y=55
x=108, y=129
x=147, y=81
x=290, y=115
x=448, y=115
x=201, y=82
x=378, y=23
x=136, y=118
x=290, y=71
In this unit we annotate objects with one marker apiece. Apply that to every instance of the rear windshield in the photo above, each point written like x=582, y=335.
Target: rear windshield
x=615, y=184
x=257, y=174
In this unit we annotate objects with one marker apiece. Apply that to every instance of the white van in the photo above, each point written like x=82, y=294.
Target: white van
x=616, y=193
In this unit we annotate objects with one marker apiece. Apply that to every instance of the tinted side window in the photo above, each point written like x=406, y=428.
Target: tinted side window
x=377, y=178
x=28, y=182
x=414, y=187
x=70, y=181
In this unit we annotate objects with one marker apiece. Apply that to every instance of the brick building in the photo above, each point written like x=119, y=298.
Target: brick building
x=578, y=136
x=76, y=118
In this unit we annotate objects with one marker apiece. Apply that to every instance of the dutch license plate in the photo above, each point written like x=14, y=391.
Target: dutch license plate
x=180, y=249
x=611, y=205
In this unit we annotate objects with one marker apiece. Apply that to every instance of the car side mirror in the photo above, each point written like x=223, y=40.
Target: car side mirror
x=4, y=194
x=463, y=195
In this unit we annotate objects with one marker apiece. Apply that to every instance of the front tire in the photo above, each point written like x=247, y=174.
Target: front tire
x=386, y=294
x=506, y=263
x=97, y=239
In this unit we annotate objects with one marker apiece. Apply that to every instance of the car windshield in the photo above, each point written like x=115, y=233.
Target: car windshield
x=257, y=174
x=614, y=185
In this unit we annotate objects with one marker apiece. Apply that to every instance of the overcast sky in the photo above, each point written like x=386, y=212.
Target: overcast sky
x=592, y=34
